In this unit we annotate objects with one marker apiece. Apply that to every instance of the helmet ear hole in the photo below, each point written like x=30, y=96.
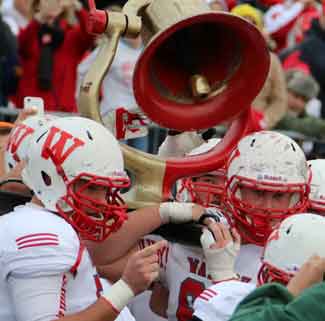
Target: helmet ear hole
x=289, y=229
x=10, y=166
x=89, y=135
x=46, y=178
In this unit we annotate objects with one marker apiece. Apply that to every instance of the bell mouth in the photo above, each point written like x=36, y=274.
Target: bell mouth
x=190, y=71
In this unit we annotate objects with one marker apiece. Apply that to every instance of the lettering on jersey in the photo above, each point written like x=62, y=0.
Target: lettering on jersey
x=38, y=239
x=57, y=146
x=16, y=138
x=208, y=294
x=162, y=253
x=63, y=292
x=197, y=266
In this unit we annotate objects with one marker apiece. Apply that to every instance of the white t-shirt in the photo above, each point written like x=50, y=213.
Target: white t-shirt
x=282, y=15
x=45, y=272
x=117, y=87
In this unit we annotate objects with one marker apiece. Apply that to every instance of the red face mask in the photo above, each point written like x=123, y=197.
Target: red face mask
x=93, y=218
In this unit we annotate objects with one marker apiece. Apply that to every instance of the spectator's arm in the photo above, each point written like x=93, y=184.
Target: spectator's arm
x=81, y=40
x=278, y=103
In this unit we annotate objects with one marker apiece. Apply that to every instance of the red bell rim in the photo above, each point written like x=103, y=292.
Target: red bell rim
x=242, y=88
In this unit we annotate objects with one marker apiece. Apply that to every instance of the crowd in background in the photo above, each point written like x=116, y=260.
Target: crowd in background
x=255, y=200
x=45, y=51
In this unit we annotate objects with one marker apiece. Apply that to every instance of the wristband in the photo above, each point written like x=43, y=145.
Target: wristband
x=174, y=212
x=119, y=295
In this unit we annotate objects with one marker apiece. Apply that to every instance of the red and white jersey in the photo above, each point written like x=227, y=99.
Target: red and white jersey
x=280, y=19
x=183, y=272
x=35, y=245
x=219, y=301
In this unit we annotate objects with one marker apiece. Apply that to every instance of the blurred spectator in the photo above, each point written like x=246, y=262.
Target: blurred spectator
x=303, y=24
x=218, y=5
x=16, y=14
x=8, y=63
x=117, y=86
x=301, y=89
x=271, y=103
x=5, y=129
x=280, y=19
x=309, y=55
x=117, y=90
x=50, y=50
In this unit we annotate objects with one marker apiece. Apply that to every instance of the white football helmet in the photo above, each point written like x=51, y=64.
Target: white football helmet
x=269, y=162
x=317, y=186
x=68, y=156
x=19, y=139
x=205, y=189
x=290, y=245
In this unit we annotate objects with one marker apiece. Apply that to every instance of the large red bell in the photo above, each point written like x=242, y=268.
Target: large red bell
x=199, y=68
x=228, y=54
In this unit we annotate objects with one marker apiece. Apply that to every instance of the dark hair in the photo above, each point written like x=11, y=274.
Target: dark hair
x=187, y=234
x=102, y=4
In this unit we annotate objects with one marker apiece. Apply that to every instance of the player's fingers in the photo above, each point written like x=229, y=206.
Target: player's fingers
x=236, y=236
x=149, y=259
x=153, y=267
x=150, y=250
x=154, y=276
x=225, y=233
x=217, y=233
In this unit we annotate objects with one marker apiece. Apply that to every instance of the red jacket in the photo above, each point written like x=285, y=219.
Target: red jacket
x=66, y=59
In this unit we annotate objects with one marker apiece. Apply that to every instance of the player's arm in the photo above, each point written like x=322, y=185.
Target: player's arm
x=42, y=298
x=140, y=223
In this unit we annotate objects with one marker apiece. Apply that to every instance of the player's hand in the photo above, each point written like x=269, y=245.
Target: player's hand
x=212, y=215
x=311, y=273
x=143, y=268
x=221, y=247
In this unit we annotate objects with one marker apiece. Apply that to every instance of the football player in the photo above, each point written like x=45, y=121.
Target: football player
x=295, y=241
x=75, y=168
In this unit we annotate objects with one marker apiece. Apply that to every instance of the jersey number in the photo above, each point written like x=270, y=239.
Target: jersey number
x=190, y=289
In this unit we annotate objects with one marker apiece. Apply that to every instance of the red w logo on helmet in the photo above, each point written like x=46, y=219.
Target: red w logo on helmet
x=59, y=145
x=16, y=138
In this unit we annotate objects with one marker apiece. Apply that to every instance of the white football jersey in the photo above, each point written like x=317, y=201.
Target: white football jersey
x=36, y=243
x=219, y=301
x=183, y=272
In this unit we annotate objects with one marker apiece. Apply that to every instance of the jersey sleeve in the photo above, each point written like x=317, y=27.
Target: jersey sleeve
x=41, y=252
x=219, y=301
x=38, y=298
